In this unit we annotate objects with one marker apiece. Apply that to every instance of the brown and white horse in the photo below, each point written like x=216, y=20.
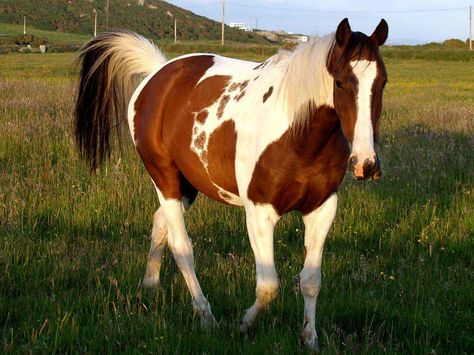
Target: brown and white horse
x=272, y=137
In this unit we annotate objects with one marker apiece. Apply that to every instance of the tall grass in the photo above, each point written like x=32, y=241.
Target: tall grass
x=397, y=268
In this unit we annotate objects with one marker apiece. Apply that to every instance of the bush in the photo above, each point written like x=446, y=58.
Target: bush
x=454, y=43
x=24, y=40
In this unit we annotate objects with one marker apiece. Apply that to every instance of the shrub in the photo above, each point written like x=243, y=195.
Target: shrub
x=24, y=40
x=454, y=43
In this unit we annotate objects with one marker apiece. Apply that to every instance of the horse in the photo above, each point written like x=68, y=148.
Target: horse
x=273, y=137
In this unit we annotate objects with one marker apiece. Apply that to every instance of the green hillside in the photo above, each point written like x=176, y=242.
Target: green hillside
x=152, y=18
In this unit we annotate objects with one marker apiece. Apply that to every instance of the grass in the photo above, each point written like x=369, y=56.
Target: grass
x=10, y=31
x=397, y=268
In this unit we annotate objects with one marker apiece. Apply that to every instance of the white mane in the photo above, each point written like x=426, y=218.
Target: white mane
x=306, y=83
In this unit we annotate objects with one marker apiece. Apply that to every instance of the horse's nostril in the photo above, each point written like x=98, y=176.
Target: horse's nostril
x=352, y=163
x=369, y=167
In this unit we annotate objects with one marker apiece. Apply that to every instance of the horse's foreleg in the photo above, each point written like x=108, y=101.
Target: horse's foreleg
x=155, y=256
x=317, y=225
x=261, y=221
x=180, y=245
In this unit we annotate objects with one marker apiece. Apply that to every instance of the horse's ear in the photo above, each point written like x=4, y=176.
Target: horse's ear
x=381, y=33
x=343, y=33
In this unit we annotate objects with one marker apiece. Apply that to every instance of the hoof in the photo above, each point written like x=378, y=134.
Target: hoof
x=151, y=281
x=208, y=322
x=310, y=340
x=247, y=322
x=244, y=325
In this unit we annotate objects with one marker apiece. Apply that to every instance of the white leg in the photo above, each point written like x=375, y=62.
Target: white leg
x=155, y=256
x=261, y=221
x=317, y=225
x=180, y=245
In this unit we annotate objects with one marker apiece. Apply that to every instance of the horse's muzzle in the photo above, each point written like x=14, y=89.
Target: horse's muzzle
x=366, y=169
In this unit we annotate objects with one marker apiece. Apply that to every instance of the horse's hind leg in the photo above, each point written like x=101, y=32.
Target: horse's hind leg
x=180, y=246
x=155, y=255
x=159, y=235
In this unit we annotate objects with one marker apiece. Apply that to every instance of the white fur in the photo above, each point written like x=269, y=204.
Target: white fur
x=317, y=225
x=306, y=79
x=181, y=247
x=363, y=142
x=261, y=220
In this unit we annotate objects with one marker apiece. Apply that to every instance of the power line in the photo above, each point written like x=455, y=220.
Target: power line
x=344, y=11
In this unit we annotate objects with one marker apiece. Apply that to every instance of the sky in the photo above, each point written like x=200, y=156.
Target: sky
x=410, y=22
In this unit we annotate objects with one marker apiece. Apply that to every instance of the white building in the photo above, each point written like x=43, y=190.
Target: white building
x=241, y=26
x=303, y=38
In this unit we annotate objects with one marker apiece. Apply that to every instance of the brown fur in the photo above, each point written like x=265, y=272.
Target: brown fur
x=163, y=125
x=302, y=176
x=267, y=94
x=222, y=104
x=358, y=47
x=221, y=151
x=201, y=116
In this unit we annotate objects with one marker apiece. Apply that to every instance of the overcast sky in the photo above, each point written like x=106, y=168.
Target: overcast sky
x=409, y=21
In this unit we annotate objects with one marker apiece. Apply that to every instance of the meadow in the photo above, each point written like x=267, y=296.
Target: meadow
x=397, y=267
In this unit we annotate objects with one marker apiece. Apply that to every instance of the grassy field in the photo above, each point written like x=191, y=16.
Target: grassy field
x=8, y=31
x=397, y=268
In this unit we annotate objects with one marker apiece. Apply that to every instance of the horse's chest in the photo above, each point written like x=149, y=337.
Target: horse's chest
x=291, y=181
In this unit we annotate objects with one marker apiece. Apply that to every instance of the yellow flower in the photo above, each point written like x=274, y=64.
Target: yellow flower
x=391, y=277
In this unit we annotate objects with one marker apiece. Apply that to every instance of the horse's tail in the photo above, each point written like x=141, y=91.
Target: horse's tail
x=112, y=65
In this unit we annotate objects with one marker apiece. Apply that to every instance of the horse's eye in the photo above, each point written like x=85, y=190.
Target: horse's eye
x=338, y=84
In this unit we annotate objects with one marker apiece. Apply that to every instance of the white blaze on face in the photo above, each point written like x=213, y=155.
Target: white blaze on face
x=363, y=142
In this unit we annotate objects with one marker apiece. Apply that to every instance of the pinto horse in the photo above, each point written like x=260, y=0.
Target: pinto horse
x=272, y=137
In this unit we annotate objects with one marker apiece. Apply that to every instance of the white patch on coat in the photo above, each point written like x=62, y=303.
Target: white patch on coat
x=249, y=115
x=363, y=142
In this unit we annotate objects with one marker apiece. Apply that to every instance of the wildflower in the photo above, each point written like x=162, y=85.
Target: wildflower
x=391, y=277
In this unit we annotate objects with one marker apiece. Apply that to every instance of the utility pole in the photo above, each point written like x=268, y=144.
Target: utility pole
x=175, y=32
x=223, y=22
x=95, y=22
x=470, y=28
x=107, y=15
x=24, y=25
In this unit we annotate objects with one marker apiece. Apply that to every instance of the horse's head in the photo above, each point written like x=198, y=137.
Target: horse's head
x=359, y=79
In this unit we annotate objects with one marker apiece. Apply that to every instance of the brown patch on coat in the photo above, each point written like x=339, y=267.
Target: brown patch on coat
x=200, y=140
x=164, y=119
x=256, y=77
x=261, y=65
x=233, y=87
x=243, y=85
x=239, y=96
x=225, y=195
x=221, y=157
x=222, y=104
x=202, y=116
x=268, y=94
x=295, y=176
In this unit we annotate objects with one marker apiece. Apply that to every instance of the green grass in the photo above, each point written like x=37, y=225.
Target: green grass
x=397, y=268
x=10, y=31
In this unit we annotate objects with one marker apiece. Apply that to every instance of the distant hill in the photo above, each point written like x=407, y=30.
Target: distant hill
x=152, y=18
